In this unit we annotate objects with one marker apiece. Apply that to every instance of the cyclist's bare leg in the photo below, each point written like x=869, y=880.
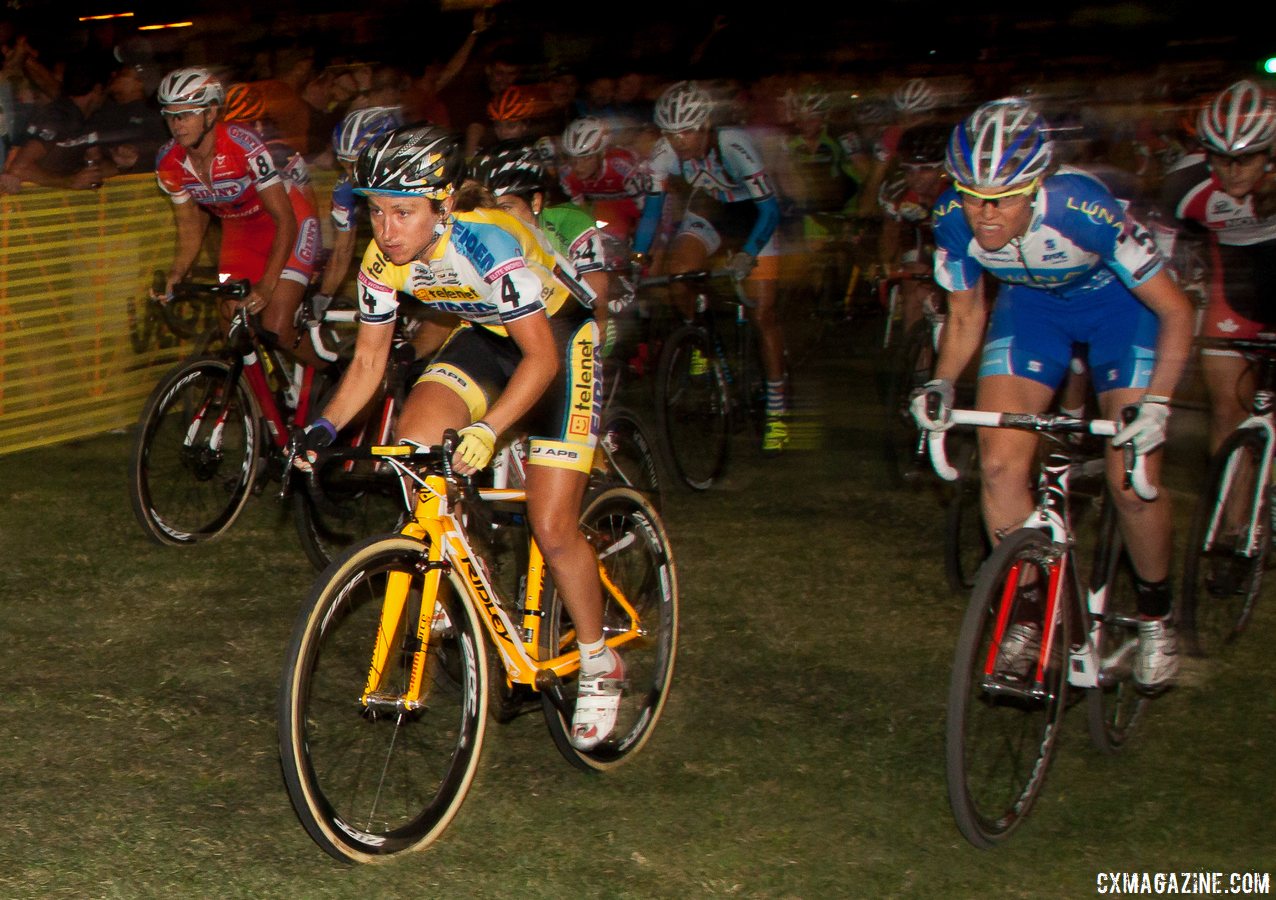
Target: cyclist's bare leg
x=912, y=294
x=1006, y=455
x=1229, y=381
x=766, y=319
x=430, y=410
x=553, y=506
x=279, y=316
x=688, y=254
x=1145, y=526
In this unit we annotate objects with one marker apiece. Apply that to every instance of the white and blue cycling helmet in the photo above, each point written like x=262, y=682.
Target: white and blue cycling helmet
x=360, y=127
x=1002, y=144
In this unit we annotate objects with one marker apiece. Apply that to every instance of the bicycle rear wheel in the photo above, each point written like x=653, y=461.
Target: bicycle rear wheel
x=1222, y=576
x=693, y=405
x=194, y=456
x=1002, y=722
x=634, y=552
x=372, y=779
x=631, y=455
x=1115, y=707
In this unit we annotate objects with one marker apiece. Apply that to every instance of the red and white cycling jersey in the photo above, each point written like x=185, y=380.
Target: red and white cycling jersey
x=244, y=164
x=1242, y=249
x=612, y=194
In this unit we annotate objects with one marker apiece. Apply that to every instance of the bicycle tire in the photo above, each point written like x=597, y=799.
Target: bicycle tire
x=1114, y=708
x=1221, y=581
x=909, y=370
x=631, y=454
x=998, y=746
x=693, y=408
x=182, y=488
x=364, y=497
x=369, y=784
x=191, y=319
x=966, y=543
x=627, y=534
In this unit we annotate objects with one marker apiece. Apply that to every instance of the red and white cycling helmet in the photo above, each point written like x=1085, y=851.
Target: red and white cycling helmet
x=1240, y=120
x=684, y=106
x=584, y=137
x=915, y=96
x=191, y=86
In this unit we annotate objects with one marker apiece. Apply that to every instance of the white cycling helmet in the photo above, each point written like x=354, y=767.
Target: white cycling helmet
x=915, y=96
x=191, y=86
x=682, y=107
x=584, y=137
x=1001, y=144
x=1242, y=119
x=811, y=103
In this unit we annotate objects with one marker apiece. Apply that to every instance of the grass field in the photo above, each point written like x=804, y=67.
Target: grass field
x=800, y=754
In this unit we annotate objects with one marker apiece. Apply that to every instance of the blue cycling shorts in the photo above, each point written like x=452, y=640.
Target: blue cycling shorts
x=1033, y=332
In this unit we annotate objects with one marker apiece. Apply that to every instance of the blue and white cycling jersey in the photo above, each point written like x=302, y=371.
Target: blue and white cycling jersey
x=730, y=172
x=1079, y=240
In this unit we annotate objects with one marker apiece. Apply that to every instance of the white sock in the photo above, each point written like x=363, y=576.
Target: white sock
x=596, y=658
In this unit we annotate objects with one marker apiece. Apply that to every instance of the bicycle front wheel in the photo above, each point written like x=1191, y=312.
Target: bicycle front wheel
x=693, y=402
x=1222, y=575
x=635, y=556
x=195, y=453
x=377, y=775
x=1003, y=721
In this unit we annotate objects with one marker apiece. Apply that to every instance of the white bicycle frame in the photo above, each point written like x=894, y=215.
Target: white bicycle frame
x=1263, y=424
x=1086, y=666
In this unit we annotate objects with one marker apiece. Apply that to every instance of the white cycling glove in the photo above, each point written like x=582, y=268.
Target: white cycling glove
x=1147, y=431
x=939, y=394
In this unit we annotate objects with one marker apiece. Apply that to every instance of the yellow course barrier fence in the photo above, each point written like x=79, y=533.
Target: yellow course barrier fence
x=79, y=348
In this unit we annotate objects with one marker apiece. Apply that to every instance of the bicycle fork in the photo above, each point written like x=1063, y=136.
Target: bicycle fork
x=1261, y=423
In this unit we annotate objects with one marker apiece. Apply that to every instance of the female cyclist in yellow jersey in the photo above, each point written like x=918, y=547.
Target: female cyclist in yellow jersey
x=523, y=354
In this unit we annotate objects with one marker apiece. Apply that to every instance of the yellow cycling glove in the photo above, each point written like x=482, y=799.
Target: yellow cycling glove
x=478, y=443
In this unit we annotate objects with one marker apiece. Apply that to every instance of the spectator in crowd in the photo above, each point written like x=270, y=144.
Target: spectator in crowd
x=285, y=105
x=48, y=153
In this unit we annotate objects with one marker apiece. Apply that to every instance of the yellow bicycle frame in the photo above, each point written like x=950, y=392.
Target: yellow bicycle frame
x=448, y=548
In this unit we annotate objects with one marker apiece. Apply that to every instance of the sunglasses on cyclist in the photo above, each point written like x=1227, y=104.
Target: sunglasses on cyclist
x=969, y=194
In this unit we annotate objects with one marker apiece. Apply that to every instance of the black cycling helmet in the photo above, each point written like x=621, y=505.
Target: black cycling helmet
x=511, y=167
x=924, y=145
x=418, y=160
